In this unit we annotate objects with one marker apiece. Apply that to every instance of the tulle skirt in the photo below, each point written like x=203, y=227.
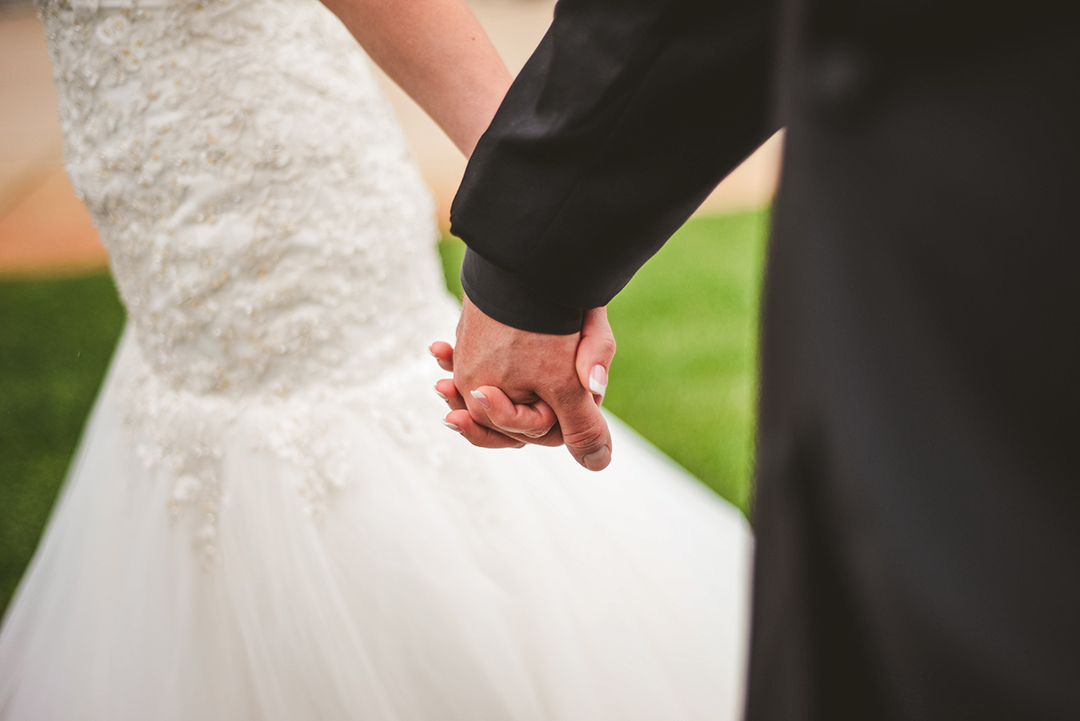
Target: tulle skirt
x=507, y=585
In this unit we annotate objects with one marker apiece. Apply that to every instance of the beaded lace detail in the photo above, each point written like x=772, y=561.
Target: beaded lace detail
x=269, y=234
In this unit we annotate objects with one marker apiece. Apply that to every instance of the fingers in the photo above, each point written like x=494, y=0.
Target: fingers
x=446, y=390
x=594, y=353
x=462, y=422
x=535, y=423
x=532, y=420
x=444, y=354
x=584, y=430
x=514, y=372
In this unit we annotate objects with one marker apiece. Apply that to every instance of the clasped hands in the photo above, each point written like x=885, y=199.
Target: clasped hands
x=512, y=387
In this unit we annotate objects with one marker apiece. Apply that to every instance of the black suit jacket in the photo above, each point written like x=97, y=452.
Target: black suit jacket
x=918, y=476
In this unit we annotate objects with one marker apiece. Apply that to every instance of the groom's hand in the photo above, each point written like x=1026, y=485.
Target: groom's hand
x=517, y=386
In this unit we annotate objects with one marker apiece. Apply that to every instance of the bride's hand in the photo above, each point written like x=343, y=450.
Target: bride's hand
x=465, y=425
x=494, y=421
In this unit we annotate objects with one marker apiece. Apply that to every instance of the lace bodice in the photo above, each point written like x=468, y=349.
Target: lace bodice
x=269, y=234
x=264, y=221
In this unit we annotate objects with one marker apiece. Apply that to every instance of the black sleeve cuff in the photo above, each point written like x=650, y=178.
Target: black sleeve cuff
x=503, y=297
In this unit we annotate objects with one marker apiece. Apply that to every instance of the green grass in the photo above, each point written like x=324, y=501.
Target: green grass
x=56, y=338
x=684, y=374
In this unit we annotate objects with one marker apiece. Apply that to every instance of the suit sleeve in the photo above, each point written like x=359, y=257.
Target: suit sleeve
x=625, y=118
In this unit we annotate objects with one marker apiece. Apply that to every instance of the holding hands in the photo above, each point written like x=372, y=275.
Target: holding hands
x=512, y=387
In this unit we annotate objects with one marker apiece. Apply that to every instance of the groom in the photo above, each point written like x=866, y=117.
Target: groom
x=918, y=476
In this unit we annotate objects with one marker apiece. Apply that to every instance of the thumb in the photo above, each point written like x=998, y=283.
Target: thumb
x=585, y=431
x=595, y=351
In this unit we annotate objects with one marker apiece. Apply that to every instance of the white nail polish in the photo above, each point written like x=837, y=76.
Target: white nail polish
x=598, y=380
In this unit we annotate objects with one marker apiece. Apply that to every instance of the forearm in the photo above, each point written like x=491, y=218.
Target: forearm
x=624, y=119
x=438, y=53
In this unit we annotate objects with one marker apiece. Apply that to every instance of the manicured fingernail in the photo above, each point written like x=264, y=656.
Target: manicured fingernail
x=598, y=460
x=432, y=353
x=598, y=380
x=440, y=395
x=451, y=426
x=481, y=398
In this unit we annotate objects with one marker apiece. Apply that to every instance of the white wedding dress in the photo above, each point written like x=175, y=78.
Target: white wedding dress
x=266, y=519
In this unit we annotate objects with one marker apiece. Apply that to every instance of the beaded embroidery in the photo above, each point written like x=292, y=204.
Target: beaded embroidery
x=268, y=232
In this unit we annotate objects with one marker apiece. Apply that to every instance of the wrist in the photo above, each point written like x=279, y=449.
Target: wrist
x=501, y=296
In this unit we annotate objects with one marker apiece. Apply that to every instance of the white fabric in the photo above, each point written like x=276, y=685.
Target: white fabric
x=265, y=519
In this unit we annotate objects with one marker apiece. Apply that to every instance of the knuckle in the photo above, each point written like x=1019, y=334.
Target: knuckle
x=591, y=437
x=544, y=417
x=553, y=437
x=536, y=432
x=537, y=422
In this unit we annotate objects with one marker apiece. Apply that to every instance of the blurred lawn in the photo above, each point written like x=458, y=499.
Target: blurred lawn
x=56, y=337
x=684, y=375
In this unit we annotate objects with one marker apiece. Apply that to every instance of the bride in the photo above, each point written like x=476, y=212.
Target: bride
x=265, y=519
